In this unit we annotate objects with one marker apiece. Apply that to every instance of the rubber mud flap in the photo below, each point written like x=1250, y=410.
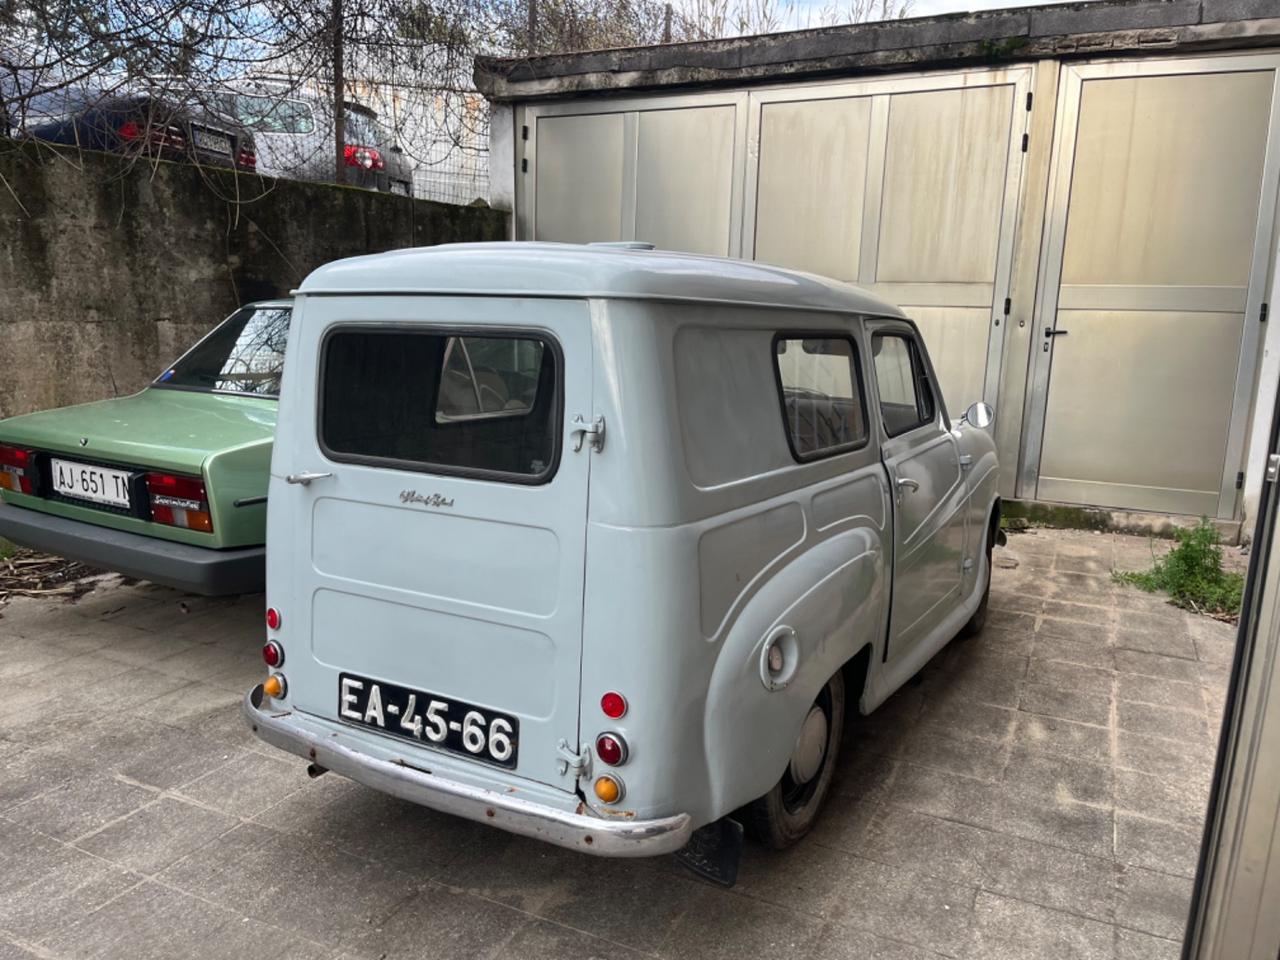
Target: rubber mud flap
x=714, y=851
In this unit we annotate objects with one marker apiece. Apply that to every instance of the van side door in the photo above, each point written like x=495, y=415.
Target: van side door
x=922, y=459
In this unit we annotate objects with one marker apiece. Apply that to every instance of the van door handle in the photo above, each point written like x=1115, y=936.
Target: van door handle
x=305, y=478
x=906, y=483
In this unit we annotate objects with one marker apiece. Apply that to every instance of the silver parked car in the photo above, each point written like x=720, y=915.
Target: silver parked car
x=294, y=136
x=599, y=545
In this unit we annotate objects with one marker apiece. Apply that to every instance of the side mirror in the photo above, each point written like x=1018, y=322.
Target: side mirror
x=979, y=415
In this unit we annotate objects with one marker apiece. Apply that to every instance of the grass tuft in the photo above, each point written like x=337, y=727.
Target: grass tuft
x=1192, y=574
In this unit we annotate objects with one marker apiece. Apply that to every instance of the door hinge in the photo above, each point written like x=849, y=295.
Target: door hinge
x=1030, y=96
x=524, y=165
x=524, y=131
x=1273, y=468
x=1240, y=480
x=575, y=762
x=1008, y=305
x=1262, y=313
x=1026, y=139
x=581, y=430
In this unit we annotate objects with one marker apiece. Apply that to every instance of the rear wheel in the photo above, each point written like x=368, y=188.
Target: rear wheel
x=788, y=811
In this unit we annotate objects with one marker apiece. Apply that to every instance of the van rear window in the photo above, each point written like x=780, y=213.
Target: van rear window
x=438, y=402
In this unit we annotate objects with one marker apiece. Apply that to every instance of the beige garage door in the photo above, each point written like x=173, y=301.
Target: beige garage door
x=663, y=175
x=907, y=187
x=1156, y=251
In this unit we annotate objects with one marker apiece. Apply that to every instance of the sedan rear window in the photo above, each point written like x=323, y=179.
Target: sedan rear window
x=244, y=354
x=438, y=402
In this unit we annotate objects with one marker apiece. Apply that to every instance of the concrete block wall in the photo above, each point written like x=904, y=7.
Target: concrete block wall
x=108, y=270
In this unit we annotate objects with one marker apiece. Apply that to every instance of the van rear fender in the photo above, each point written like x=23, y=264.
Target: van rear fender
x=830, y=601
x=641, y=640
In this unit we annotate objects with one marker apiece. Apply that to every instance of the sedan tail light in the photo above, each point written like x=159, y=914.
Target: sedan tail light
x=247, y=159
x=367, y=157
x=18, y=470
x=156, y=136
x=179, y=501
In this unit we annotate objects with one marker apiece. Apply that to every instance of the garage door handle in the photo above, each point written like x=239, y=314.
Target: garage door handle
x=1050, y=332
x=305, y=478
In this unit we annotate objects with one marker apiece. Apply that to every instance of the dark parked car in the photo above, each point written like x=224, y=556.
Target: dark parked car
x=138, y=124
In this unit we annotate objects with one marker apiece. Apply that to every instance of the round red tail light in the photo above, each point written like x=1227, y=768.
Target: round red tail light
x=273, y=618
x=611, y=749
x=273, y=653
x=613, y=704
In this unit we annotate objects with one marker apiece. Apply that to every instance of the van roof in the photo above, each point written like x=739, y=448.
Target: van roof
x=588, y=270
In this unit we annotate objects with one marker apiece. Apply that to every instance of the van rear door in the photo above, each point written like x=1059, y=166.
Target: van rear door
x=433, y=585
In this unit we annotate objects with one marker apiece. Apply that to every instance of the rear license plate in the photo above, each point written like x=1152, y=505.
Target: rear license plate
x=211, y=141
x=429, y=719
x=84, y=481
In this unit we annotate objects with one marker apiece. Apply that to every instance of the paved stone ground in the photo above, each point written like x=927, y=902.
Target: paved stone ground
x=1037, y=793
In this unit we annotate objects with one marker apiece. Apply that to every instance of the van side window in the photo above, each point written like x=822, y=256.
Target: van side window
x=906, y=398
x=821, y=395
x=441, y=403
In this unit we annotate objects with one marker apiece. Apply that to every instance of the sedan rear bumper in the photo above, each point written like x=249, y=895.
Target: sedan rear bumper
x=178, y=565
x=587, y=834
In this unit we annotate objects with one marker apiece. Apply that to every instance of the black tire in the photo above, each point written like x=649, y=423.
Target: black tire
x=973, y=626
x=788, y=811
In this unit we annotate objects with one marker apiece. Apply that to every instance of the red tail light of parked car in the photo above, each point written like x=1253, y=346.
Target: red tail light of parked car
x=179, y=501
x=367, y=157
x=155, y=136
x=17, y=469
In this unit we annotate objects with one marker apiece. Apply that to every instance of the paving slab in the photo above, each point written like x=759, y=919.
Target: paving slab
x=1039, y=791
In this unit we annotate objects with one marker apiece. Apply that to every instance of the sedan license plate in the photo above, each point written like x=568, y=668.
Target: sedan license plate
x=216, y=142
x=83, y=481
x=429, y=719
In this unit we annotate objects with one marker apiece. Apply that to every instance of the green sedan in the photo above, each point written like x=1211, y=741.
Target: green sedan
x=170, y=484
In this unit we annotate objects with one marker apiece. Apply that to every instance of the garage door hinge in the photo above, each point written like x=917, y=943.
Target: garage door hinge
x=1240, y=480
x=524, y=132
x=1008, y=305
x=1029, y=98
x=524, y=166
x=1026, y=138
x=1262, y=314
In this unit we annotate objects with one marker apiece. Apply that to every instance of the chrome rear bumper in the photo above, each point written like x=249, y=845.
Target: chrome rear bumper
x=577, y=831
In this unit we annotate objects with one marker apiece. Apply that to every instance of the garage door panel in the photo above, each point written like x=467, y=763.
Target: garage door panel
x=1141, y=402
x=951, y=147
x=684, y=179
x=957, y=341
x=812, y=185
x=579, y=178
x=1153, y=247
x=1167, y=178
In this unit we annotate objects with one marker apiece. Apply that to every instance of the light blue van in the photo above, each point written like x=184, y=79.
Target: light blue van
x=598, y=545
